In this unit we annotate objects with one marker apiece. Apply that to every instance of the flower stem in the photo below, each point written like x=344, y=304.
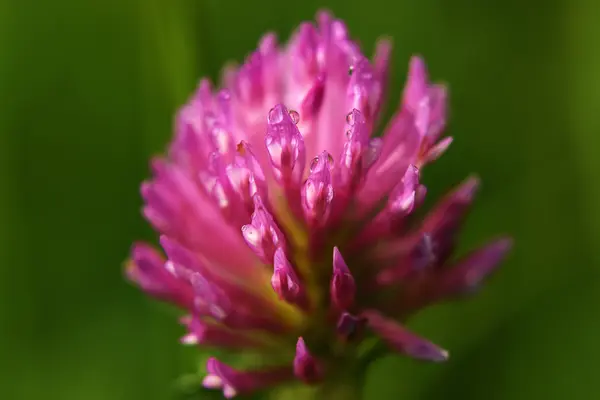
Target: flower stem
x=350, y=388
x=340, y=391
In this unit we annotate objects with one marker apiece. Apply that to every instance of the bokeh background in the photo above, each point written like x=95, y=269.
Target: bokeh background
x=87, y=93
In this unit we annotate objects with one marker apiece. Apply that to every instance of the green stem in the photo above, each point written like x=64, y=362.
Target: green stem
x=374, y=353
x=341, y=391
x=342, y=387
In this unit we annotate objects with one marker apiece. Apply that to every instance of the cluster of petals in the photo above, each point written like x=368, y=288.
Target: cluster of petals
x=287, y=226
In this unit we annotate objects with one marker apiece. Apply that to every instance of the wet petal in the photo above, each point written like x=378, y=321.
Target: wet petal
x=403, y=197
x=285, y=145
x=262, y=234
x=317, y=192
x=399, y=149
x=285, y=281
x=364, y=90
x=358, y=155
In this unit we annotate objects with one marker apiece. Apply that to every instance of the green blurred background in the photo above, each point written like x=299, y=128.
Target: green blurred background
x=87, y=93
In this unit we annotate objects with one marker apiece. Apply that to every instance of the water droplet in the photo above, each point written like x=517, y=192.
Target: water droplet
x=350, y=118
x=351, y=70
x=210, y=119
x=241, y=149
x=276, y=115
x=329, y=161
x=269, y=139
x=313, y=164
x=372, y=153
x=349, y=133
x=329, y=194
x=375, y=144
x=366, y=74
x=217, y=312
x=225, y=94
x=425, y=251
x=295, y=116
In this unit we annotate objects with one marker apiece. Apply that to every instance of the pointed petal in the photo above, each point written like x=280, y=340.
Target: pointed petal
x=436, y=151
x=467, y=274
x=257, y=82
x=210, y=333
x=306, y=368
x=147, y=269
x=180, y=208
x=305, y=86
x=399, y=149
x=245, y=177
x=302, y=49
x=402, y=340
x=262, y=234
x=185, y=262
x=285, y=281
x=409, y=256
x=438, y=103
x=403, y=198
x=234, y=382
x=317, y=191
x=349, y=326
x=364, y=91
x=381, y=66
x=358, y=155
x=343, y=287
x=235, y=309
x=285, y=145
x=420, y=194
x=416, y=85
x=350, y=83
x=313, y=100
x=443, y=223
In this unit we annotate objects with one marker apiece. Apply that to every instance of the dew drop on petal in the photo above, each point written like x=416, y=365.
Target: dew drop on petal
x=240, y=149
x=225, y=94
x=229, y=392
x=210, y=119
x=314, y=163
x=251, y=235
x=373, y=151
x=295, y=116
x=350, y=118
x=217, y=312
x=169, y=266
x=276, y=115
x=330, y=163
x=212, y=382
x=329, y=196
x=190, y=339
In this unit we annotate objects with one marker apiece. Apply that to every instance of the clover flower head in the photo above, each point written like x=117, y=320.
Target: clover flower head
x=289, y=229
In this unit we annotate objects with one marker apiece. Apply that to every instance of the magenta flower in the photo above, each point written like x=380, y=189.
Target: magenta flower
x=289, y=229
